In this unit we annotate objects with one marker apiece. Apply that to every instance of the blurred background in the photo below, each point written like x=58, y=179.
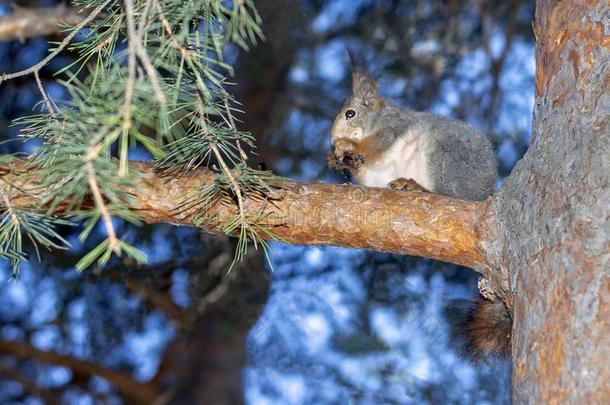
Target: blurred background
x=326, y=325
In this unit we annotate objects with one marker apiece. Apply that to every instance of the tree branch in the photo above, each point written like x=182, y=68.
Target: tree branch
x=124, y=383
x=50, y=396
x=158, y=299
x=414, y=223
x=28, y=23
x=60, y=47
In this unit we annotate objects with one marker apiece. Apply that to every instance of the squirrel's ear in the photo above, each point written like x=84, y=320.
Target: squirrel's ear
x=363, y=85
x=365, y=88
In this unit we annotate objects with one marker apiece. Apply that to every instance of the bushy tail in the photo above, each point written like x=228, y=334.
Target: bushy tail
x=488, y=329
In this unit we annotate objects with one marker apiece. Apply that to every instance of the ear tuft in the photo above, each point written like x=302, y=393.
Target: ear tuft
x=356, y=60
x=363, y=85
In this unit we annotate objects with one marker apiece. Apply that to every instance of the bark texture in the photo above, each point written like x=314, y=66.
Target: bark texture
x=414, y=223
x=553, y=232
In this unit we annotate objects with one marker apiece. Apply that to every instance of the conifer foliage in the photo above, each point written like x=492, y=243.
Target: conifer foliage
x=149, y=75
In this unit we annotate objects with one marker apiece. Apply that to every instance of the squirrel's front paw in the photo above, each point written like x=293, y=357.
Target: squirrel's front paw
x=343, y=147
x=346, y=155
x=333, y=162
x=352, y=160
x=402, y=184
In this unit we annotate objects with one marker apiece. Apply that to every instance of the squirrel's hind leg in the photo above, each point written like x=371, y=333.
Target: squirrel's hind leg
x=402, y=184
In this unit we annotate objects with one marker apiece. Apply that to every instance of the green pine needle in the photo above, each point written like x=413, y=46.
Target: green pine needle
x=175, y=105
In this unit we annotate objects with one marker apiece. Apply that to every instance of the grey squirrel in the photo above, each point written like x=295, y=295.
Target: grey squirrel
x=382, y=144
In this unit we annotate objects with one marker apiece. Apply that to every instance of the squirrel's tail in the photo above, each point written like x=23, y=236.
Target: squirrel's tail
x=488, y=329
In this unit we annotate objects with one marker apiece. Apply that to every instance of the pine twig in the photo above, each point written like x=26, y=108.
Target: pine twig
x=62, y=45
x=242, y=154
x=130, y=85
x=113, y=241
x=225, y=169
x=136, y=46
x=45, y=97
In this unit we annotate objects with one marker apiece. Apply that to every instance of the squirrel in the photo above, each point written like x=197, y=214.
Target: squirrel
x=381, y=144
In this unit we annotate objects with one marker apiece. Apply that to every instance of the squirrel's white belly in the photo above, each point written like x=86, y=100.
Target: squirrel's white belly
x=405, y=158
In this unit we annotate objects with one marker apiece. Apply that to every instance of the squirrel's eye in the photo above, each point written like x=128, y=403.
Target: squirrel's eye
x=350, y=114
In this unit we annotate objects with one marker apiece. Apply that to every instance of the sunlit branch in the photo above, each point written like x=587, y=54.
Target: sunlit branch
x=415, y=223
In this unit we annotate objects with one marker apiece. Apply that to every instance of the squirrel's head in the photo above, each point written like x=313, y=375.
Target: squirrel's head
x=357, y=118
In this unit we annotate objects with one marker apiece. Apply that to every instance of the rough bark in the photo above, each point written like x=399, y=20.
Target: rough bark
x=552, y=241
x=415, y=223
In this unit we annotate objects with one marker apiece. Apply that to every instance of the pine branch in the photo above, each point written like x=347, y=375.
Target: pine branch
x=29, y=23
x=182, y=102
x=61, y=47
x=419, y=224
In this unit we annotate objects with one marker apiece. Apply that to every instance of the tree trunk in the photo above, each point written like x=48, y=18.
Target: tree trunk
x=553, y=238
